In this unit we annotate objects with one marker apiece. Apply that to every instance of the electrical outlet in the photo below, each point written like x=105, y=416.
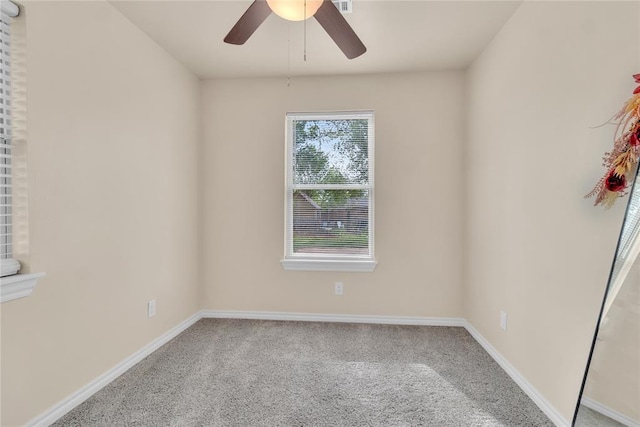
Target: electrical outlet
x=151, y=308
x=503, y=320
x=339, y=288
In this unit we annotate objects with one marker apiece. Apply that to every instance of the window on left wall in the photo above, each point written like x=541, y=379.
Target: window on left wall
x=14, y=281
x=9, y=266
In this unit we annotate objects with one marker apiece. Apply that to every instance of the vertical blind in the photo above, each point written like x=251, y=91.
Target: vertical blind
x=5, y=137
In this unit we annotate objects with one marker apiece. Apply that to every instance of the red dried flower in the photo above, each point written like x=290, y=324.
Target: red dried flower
x=615, y=182
x=622, y=159
x=634, y=139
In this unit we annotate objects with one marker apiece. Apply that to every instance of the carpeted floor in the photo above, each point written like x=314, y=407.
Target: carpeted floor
x=248, y=373
x=589, y=418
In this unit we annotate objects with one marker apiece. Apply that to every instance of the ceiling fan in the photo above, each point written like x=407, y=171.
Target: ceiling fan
x=325, y=12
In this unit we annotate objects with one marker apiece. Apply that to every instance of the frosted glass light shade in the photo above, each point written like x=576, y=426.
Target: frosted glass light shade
x=294, y=10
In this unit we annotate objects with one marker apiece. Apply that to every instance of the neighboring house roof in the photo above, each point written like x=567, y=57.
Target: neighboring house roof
x=361, y=202
x=309, y=200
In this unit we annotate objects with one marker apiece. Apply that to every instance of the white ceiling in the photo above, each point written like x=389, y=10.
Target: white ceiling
x=399, y=35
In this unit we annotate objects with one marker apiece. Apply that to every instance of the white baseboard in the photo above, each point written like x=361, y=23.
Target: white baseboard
x=340, y=318
x=522, y=382
x=59, y=410
x=608, y=412
x=533, y=394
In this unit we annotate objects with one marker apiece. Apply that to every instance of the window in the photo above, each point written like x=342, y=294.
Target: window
x=329, y=191
x=8, y=265
x=628, y=247
x=12, y=138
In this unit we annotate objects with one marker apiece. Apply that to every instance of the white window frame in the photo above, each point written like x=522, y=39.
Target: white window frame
x=12, y=285
x=8, y=265
x=327, y=262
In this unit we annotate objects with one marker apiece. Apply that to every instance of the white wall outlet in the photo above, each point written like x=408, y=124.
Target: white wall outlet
x=503, y=320
x=339, y=288
x=151, y=308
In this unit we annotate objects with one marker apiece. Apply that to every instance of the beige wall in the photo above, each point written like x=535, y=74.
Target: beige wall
x=119, y=193
x=535, y=248
x=113, y=130
x=419, y=132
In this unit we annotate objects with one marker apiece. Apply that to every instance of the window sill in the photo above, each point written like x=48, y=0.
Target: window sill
x=328, y=265
x=18, y=286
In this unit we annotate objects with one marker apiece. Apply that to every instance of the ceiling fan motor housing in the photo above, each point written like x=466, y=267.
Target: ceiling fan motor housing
x=295, y=10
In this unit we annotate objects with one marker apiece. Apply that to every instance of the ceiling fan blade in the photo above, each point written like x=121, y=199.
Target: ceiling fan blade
x=339, y=30
x=248, y=22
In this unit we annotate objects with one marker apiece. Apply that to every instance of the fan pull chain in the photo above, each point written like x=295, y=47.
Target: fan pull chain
x=289, y=57
x=305, y=30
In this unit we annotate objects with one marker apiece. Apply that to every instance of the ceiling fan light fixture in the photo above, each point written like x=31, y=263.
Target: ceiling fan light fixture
x=324, y=11
x=294, y=10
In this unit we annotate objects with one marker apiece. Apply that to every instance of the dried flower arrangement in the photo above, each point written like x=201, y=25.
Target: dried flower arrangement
x=621, y=161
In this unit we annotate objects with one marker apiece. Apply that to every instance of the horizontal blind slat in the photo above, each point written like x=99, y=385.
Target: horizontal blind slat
x=9, y=8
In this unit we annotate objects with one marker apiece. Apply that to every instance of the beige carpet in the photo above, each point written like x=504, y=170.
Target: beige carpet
x=269, y=373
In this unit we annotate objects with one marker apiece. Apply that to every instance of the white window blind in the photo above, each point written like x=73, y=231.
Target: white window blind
x=9, y=266
x=629, y=233
x=329, y=186
x=628, y=249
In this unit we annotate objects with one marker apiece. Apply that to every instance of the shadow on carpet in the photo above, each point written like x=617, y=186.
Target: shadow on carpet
x=224, y=372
